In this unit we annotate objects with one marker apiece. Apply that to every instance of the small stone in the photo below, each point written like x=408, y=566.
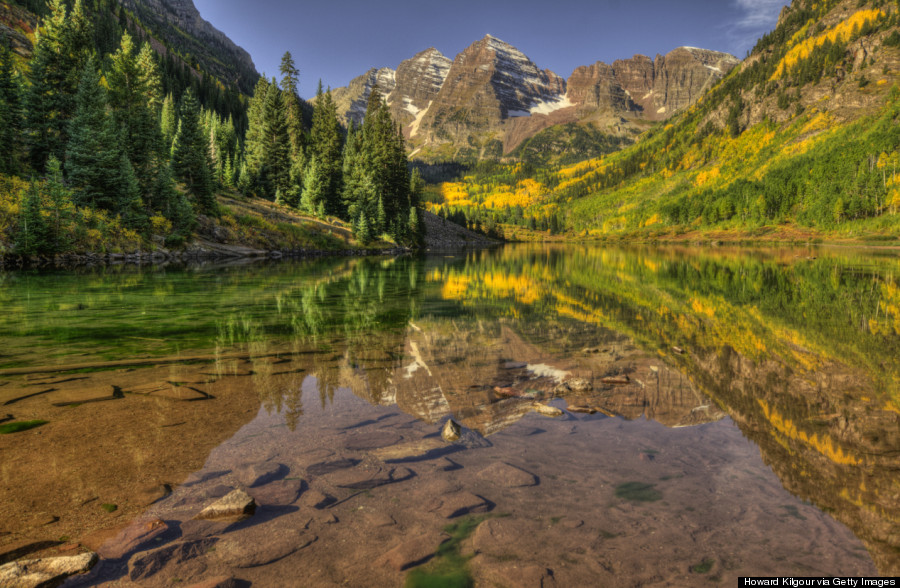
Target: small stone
x=579, y=385
x=572, y=523
x=259, y=474
x=48, y=571
x=508, y=476
x=546, y=410
x=616, y=380
x=582, y=409
x=451, y=431
x=238, y=504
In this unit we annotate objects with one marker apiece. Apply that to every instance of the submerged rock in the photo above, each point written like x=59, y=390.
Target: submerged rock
x=546, y=410
x=259, y=474
x=145, y=564
x=45, y=572
x=508, y=476
x=133, y=537
x=237, y=504
x=451, y=431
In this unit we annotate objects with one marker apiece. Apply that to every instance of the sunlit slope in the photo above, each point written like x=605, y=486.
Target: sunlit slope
x=804, y=134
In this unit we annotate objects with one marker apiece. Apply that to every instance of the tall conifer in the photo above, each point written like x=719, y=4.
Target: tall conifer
x=190, y=156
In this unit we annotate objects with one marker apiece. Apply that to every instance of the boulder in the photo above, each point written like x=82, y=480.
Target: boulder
x=45, y=572
x=235, y=505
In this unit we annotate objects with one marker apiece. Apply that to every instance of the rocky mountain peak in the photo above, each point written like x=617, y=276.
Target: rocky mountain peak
x=492, y=96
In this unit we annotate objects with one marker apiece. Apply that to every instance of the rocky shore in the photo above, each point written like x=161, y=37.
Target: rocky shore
x=197, y=252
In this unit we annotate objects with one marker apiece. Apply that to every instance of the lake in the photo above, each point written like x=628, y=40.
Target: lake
x=629, y=416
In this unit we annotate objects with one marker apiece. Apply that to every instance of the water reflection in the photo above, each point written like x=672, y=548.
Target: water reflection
x=798, y=349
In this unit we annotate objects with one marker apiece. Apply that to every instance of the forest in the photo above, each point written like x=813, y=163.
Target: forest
x=112, y=146
x=720, y=164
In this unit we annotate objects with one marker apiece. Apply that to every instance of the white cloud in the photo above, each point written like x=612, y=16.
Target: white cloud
x=758, y=14
x=754, y=19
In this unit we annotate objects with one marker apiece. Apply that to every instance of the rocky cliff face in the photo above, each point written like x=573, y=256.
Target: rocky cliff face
x=654, y=88
x=179, y=24
x=16, y=24
x=351, y=101
x=492, y=97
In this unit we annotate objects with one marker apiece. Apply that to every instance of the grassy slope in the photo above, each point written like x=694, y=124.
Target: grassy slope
x=798, y=143
x=251, y=223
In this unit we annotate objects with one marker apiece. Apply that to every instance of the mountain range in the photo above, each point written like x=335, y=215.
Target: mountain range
x=492, y=97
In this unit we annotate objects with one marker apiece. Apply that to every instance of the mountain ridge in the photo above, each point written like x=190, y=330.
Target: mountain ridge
x=492, y=97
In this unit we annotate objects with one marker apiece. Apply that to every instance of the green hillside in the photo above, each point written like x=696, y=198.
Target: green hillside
x=801, y=139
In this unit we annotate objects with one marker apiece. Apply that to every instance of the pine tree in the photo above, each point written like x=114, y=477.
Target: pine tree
x=293, y=113
x=135, y=98
x=62, y=48
x=363, y=231
x=276, y=146
x=150, y=79
x=254, y=142
x=315, y=186
x=325, y=144
x=93, y=153
x=61, y=208
x=168, y=121
x=11, y=116
x=381, y=218
x=130, y=206
x=33, y=234
x=190, y=156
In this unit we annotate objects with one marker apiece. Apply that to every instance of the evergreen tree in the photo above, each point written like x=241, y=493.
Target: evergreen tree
x=254, y=142
x=190, y=156
x=134, y=97
x=61, y=207
x=93, y=153
x=325, y=144
x=315, y=186
x=33, y=235
x=276, y=150
x=11, y=116
x=168, y=121
x=62, y=48
x=292, y=110
x=150, y=79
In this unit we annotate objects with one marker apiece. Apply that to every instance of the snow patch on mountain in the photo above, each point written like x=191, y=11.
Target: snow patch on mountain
x=414, y=127
x=551, y=105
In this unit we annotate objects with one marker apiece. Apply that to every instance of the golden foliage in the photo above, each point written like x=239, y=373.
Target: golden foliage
x=839, y=33
x=824, y=444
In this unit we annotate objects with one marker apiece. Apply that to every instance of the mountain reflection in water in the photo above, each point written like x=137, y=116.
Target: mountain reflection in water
x=799, y=352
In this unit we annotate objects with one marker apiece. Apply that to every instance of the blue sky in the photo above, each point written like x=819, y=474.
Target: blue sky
x=337, y=40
